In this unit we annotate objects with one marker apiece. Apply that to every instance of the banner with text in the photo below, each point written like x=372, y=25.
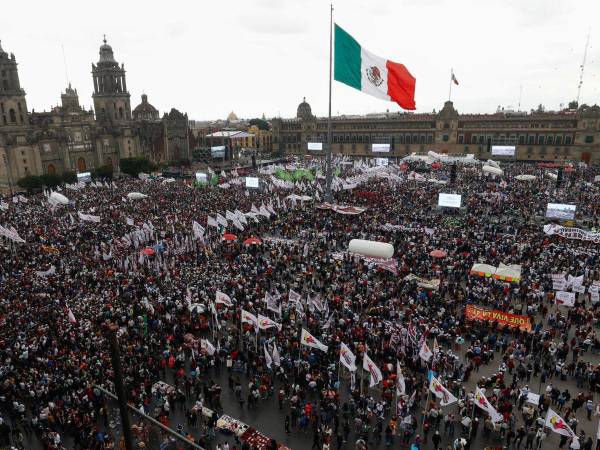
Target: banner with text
x=473, y=312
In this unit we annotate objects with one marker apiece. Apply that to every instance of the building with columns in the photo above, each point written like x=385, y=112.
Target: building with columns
x=71, y=138
x=572, y=135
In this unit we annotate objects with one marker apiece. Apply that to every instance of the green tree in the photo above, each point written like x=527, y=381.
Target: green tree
x=30, y=182
x=51, y=180
x=69, y=177
x=133, y=166
x=103, y=172
x=260, y=123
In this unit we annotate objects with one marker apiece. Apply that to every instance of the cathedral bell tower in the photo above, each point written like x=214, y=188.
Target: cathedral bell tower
x=111, y=99
x=13, y=107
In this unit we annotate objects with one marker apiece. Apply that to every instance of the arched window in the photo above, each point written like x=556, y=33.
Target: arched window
x=120, y=112
x=13, y=116
x=81, y=166
x=51, y=169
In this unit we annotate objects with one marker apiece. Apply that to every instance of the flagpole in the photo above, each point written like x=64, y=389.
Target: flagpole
x=450, y=91
x=328, y=196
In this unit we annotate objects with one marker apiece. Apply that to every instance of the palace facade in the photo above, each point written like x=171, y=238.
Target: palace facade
x=572, y=135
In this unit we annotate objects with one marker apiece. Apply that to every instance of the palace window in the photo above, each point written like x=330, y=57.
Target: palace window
x=568, y=140
x=461, y=139
x=550, y=140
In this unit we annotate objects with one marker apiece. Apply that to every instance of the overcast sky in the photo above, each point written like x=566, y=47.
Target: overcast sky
x=207, y=58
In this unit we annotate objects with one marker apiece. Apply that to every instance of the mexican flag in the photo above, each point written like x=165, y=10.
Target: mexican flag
x=371, y=74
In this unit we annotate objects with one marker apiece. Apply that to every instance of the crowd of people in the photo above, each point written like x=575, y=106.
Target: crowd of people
x=185, y=296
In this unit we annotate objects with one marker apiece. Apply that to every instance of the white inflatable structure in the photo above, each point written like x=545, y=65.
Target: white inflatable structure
x=491, y=162
x=372, y=249
x=492, y=170
x=136, y=196
x=552, y=175
x=525, y=177
x=59, y=198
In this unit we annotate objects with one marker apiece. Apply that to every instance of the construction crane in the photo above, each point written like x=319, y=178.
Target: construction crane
x=587, y=44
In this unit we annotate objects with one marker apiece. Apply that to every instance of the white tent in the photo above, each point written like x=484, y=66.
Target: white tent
x=59, y=198
x=552, y=175
x=492, y=170
x=136, y=196
x=484, y=270
x=299, y=197
x=525, y=177
x=509, y=273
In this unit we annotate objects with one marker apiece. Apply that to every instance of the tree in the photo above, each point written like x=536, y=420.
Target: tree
x=133, y=166
x=540, y=108
x=573, y=104
x=69, y=177
x=103, y=172
x=30, y=182
x=260, y=123
x=51, y=180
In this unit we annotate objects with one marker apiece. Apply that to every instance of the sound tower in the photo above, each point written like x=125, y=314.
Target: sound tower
x=559, y=177
x=453, y=173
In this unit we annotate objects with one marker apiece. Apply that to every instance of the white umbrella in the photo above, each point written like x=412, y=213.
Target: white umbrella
x=492, y=170
x=525, y=177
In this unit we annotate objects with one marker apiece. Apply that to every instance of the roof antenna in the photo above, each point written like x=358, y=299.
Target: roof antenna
x=65, y=63
x=587, y=44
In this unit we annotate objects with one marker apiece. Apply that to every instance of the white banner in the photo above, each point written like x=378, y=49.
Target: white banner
x=565, y=298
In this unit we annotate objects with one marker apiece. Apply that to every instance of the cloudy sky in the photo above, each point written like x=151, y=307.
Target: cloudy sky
x=207, y=57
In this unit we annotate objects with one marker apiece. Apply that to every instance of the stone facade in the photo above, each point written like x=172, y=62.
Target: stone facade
x=572, y=135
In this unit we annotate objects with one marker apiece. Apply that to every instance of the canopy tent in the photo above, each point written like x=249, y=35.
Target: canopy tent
x=492, y=170
x=229, y=237
x=253, y=240
x=483, y=270
x=437, y=254
x=299, y=197
x=508, y=273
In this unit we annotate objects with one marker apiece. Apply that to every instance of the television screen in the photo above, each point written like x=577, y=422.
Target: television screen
x=217, y=151
x=449, y=200
x=251, y=182
x=315, y=146
x=503, y=150
x=201, y=177
x=381, y=161
x=380, y=148
x=84, y=177
x=560, y=211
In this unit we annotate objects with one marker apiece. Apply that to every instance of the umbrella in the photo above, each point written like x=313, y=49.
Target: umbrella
x=229, y=237
x=437, y=254
x=252, y=241
x=148, y=251
x=436, y=165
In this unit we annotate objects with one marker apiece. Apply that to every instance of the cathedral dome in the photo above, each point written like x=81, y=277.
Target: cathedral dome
x=106, y=53
x=304, y=110
x=145, y=111
x=232, y=117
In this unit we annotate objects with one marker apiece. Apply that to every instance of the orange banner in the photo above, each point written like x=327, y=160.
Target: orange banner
x=473, y=312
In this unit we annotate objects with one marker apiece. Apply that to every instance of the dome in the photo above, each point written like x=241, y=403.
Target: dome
x=304, y=110
x=106, y=53
x=145, y=111
x=232, y=117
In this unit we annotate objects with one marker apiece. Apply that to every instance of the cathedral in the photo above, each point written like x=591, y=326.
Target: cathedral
x=71, y=138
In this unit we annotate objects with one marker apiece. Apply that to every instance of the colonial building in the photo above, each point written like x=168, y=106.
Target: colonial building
x=550, y=136
x=70, y=138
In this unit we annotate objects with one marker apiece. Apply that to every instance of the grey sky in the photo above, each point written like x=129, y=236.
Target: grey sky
x=207, y=58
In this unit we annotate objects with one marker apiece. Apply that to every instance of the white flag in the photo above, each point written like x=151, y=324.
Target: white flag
x=206, y=345
x=309, y=340
x=347, y=358
x=558, y=425
x=88, y=217
x=229, y=215
x=371, y=367
x=425, y=353
x=276, y=357
x=564, y=298
x=400, y=384
x=273, y=304
x=223, y=298
x=268, y=358
x=265, y=323
x=250, y=318
x=198, y=230
x=441, y=392
x=482, y=402
x=237, y=224
x=71, y=316
x=210, y=222
x=130, y=221
x=293, y=296
x=221, y=220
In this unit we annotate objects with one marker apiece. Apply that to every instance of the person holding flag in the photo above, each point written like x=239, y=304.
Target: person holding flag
x=264, y=323
x=224, y=299
x=443, y=394
x=375, y=373
x=347, y=358
x=310, y=341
